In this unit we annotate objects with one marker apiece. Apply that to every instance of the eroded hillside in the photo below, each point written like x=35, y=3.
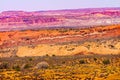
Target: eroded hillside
x=58, y=41
x=53, y=36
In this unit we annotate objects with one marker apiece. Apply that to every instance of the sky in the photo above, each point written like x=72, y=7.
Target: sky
x=40, y=5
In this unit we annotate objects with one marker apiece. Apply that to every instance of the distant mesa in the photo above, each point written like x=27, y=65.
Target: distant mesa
x=21, y=20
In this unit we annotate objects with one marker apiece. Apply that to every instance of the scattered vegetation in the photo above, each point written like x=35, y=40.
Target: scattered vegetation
x=80, y=67
x=4, y=65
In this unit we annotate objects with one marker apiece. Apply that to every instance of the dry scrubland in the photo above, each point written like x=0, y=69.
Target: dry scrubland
x=108, y=46
x=80, y=67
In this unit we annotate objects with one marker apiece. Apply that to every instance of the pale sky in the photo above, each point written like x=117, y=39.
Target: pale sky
x=38, y=5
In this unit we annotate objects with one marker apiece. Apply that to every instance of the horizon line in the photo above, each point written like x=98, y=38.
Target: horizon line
x=58, y=9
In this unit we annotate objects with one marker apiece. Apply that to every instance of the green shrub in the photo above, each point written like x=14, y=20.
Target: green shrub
x=82, y=61
x=107, y=61
x=16, y=67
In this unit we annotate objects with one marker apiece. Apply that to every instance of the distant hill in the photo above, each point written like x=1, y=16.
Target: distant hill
x=21, y=20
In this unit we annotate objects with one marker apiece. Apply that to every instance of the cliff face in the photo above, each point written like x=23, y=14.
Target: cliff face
x=64, y=32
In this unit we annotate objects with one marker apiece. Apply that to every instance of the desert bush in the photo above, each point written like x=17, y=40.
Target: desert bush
x=30, y=59
x=4, y=65
x=53, y=55
x=82, y=61
x=88, y=46
x=103, y=74
x=105, y=62
x=26, y=66
x=63, y=62
x=42, y=65
x=47, y=55
x=16, y=67
x=95, y=59
x=111, y=46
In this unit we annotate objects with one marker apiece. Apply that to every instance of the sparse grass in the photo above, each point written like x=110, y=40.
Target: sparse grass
x=80, y=67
